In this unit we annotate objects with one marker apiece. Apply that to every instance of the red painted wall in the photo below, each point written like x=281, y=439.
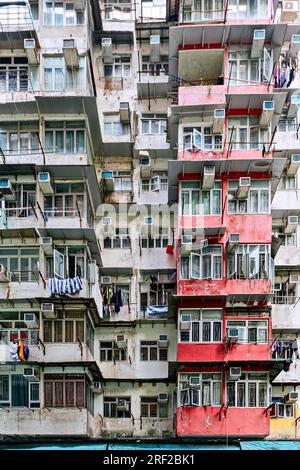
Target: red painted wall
x=196, y=155
x=213, y=352
x=224, y=287
x=203, y=421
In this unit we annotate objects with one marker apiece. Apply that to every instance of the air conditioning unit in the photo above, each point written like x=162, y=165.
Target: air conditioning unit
x=124, y=111
x=70, y=52
x=234, y=373
x=145, y=163
x=233, y=335
x=32, y=374
x=79, y=5
x=96, y=387
x=45, y=183
x=185, y=325
x=163, y=398
x=148, y=221
x=259, y=36
x=47, y=245
x=233, y=240
x=163, y=341
x=155, y=48
x=294, y=279
x=208, y=177
x=291, y=397
x=291, y=224
x=294, y=164
x=108, y=178
x=30, y=320
x=107, y=56
x=7, y=190
x=48, y=311
x=122, y=405
x=267, y=113
x=31, y=51
x=121, y=341
x=106, y=280
x=219, y=120
x=277, y=287
x=243, y=188
x=289, y=11
x=294, y=46
x=4, y=275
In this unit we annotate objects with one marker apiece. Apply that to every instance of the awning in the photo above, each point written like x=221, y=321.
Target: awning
x=270, y=445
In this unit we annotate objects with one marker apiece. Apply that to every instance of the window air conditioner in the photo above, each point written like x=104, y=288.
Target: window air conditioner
x=30, y=320
x=163, y=341
x=122, y=405
x=235, y=372
x=46, y=244
x=32, y=374
x=7, y=190
x=45, y=183
x=48, y=311
x=163, y=398
x=121, y=342
x=106, y=280
x=233, y=335
x=97, y=387
x=291, y=397
x=31, y=51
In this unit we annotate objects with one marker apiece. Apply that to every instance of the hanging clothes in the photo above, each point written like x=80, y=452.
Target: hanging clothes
x=119, y=298
x=26, y=351
x=14, y=351
x=21, y=353
x=291, y=76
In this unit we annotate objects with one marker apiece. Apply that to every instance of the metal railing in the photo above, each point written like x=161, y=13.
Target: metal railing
x=24, y=276
x=285, y=299
x=196, y=16
x=20, y=212
x=16, y=16
x=14, y=80
x=71, y=212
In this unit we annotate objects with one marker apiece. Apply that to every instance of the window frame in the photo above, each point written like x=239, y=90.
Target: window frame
x=248, y=381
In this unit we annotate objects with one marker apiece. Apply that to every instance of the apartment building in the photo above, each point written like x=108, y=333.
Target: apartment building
x=149, y=265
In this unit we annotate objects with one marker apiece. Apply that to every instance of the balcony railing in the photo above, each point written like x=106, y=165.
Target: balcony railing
x=118, y=11
x=285, y=299
x=59, y=212
x=24, y=276
x=189, y=15
x=14, y=17
x=17, y=80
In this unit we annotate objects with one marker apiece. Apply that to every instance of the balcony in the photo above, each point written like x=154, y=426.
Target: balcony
x=224, y=287
x=48, y=421
x=195, y=97
x=16, y=24
x=117, y=16
x=152, y=84
x=222, y=422
x=222, y=352
x=286, y=313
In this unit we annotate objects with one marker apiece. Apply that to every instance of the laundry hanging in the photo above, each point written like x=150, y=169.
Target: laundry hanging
x=65, y=286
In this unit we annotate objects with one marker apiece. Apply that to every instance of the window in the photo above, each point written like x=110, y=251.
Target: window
x=117, y=407
x=14, y=74
x=12, y=327
x=157, y=182
x=62, y=14
x=203, y=10
x=22, y=263
x=67, y=261
x=257, y=201
x=150, y=408
x=249, y=331
x=154, y=124
x=149, y=351
x=200, y=326
x=195, y=201
x=250, y=262
x=110, y=352
x=287, y=239
x=114, y=126
x=65, y=136
x=4, y=388
x=118, y=10
x=19, y=138
x=201, y=138
x=289, y=182
x=67, y=199
x=156, y=242
x=251, y=390
x=58, y=77
x=64, y=391
x=201, y=389
x=245, y=133
x=239, y=9
x=287, y=125
x=155, y=69
x=25, y=201
x=67, y=328
x=119, y=68
x=282, y=410
x=120, y=240
x=122, y=180
x=207, y=265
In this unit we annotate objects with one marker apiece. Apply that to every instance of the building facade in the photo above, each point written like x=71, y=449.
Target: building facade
x=149, y=248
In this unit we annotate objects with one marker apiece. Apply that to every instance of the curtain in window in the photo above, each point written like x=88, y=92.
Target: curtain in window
x=217, y=331
x=185, y=202
x=206, y=266
x=185, y=268
x=195, y=202
x=264, y=202
x=262, y=394
x=231, y=393
x=217, y=393
x=206, y=327
x=206, y=202
x=206, y=393
x=195, y=332
x=216, y=209
x=241, y=394
x=251, y=394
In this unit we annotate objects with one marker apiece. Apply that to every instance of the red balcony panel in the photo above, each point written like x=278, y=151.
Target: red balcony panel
x=202, y=95
x=252, y=228
x=250, y=89
x=224, y=287
x=215, y=352
x=205, y=421
x=200, y=155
